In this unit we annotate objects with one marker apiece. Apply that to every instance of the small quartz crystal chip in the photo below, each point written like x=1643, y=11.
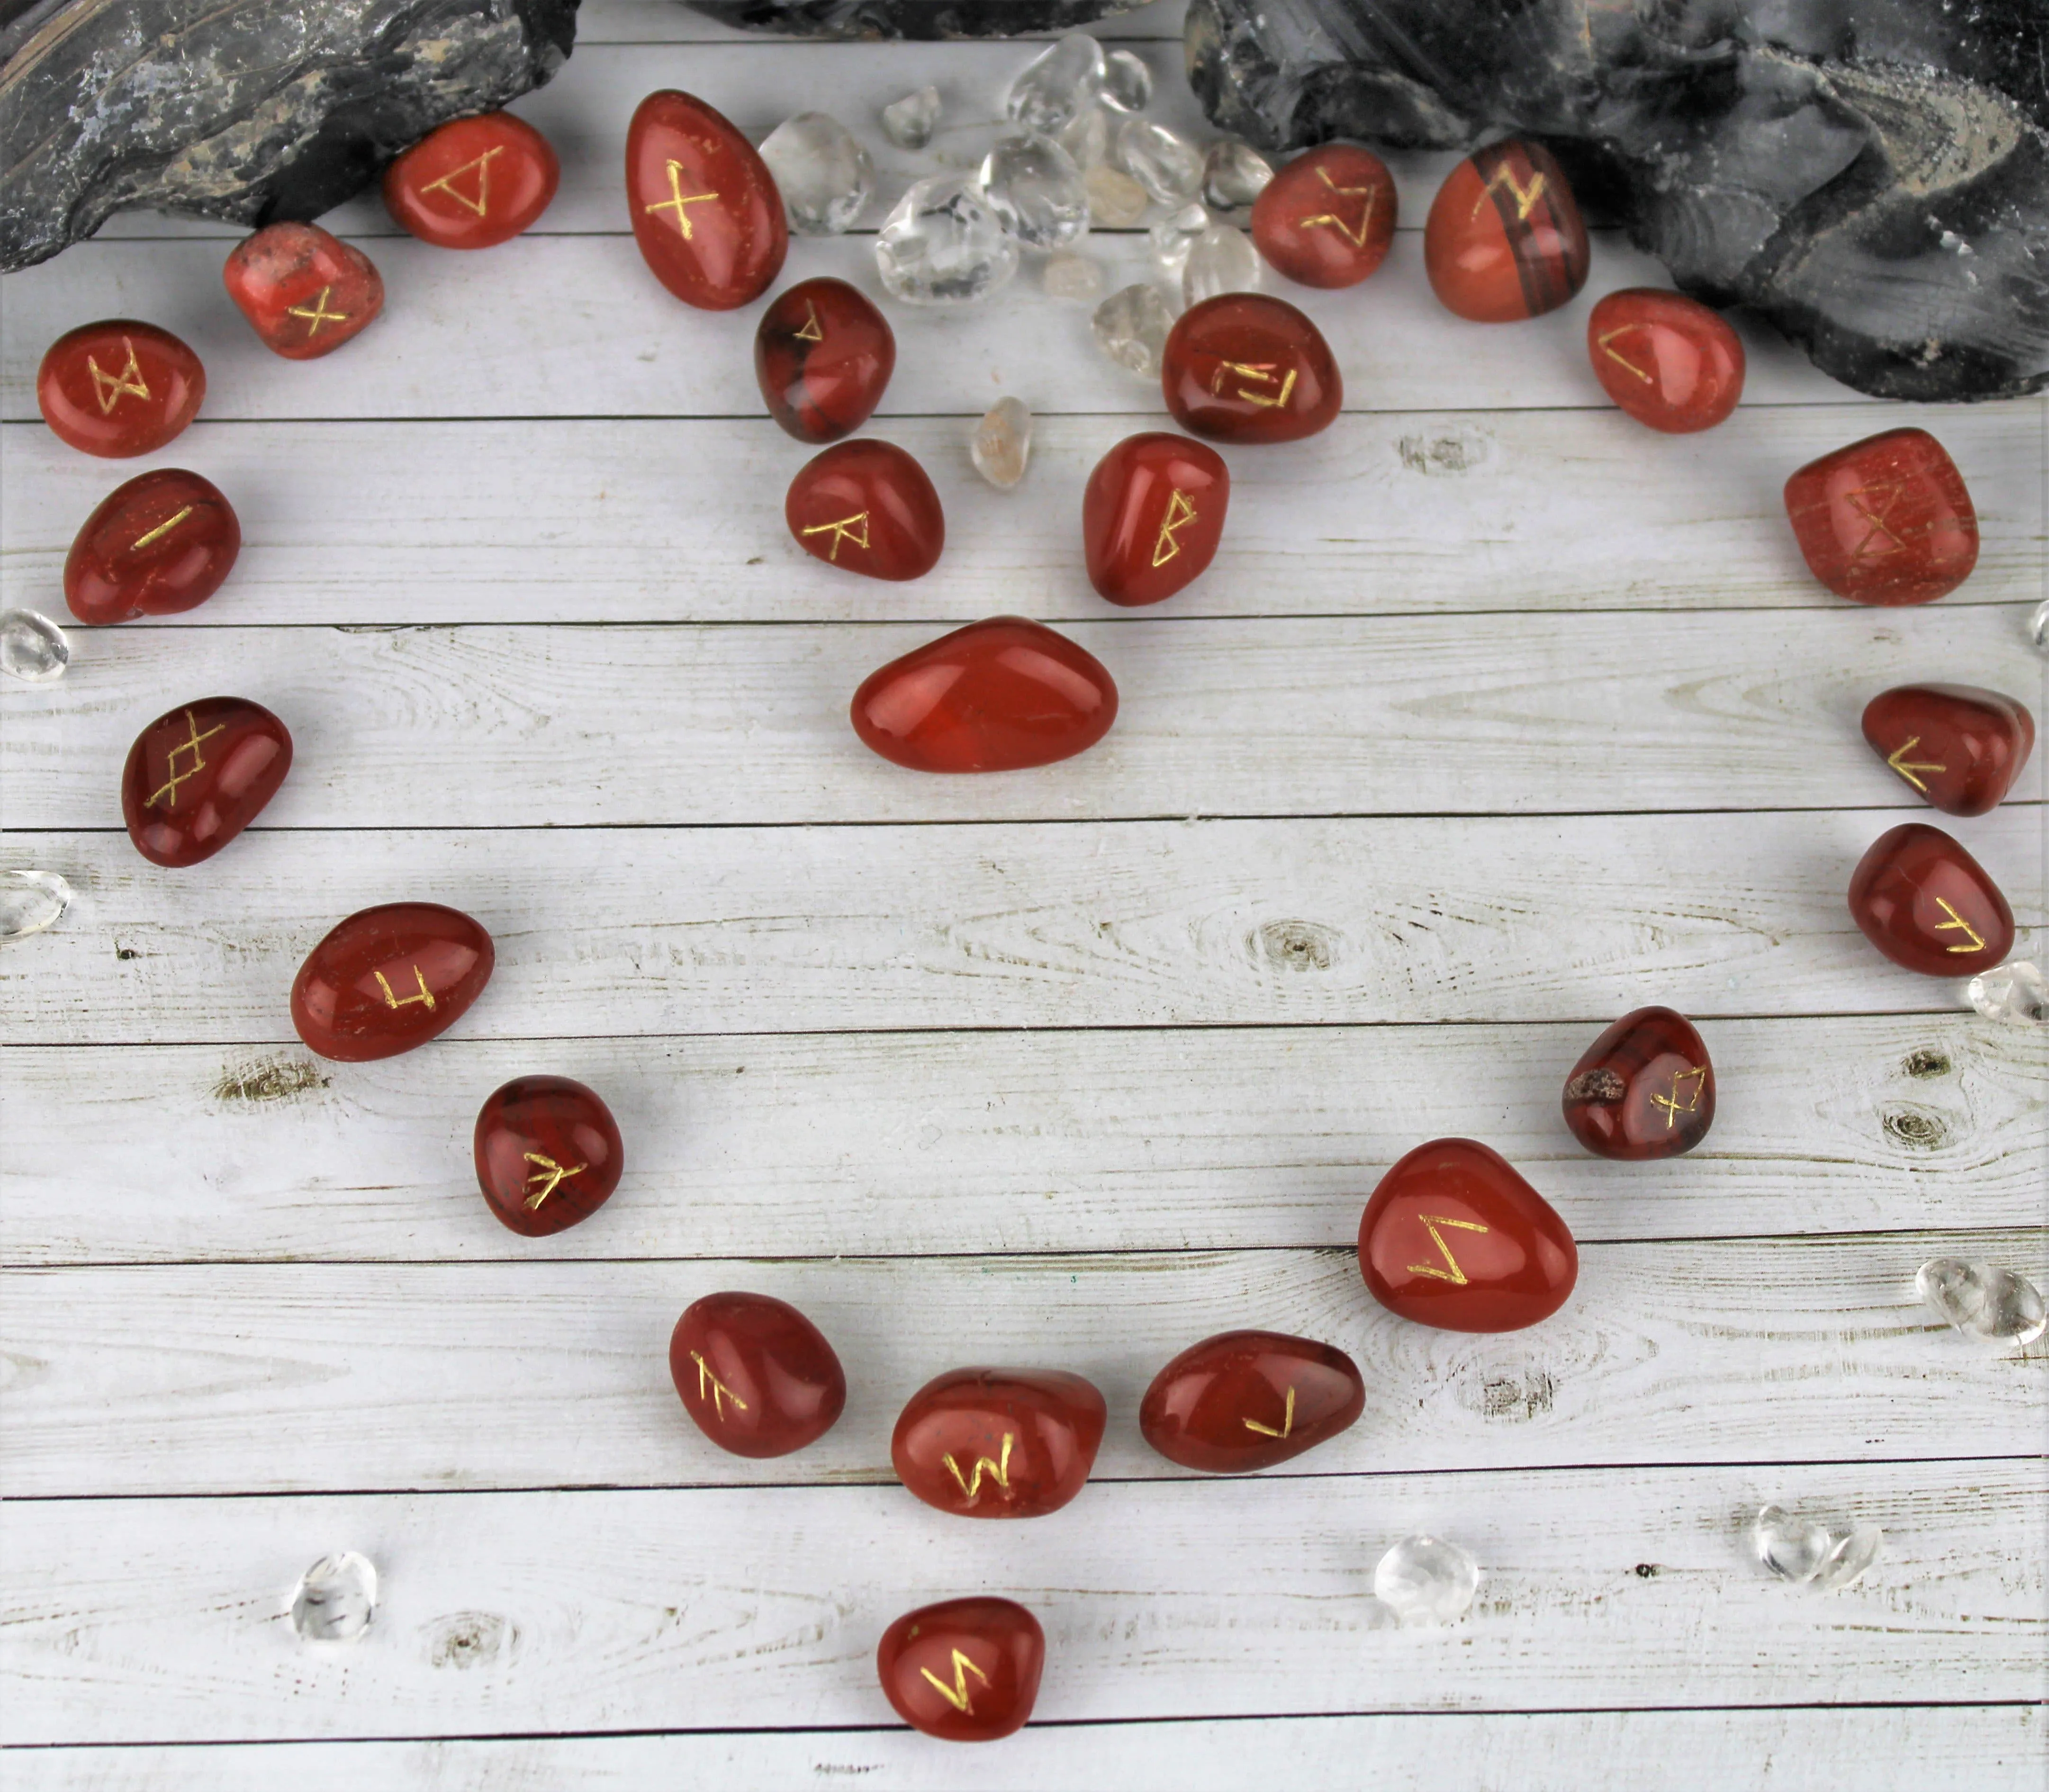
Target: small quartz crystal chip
x=1086, y=136
x=32, y=647
x=1167, y=166
x=1425, y=1580
x=1174, y=235
x=1131, y=326
x=1002, y=443
x=2038, y=626
x=1848, y=1556
x=30, y=901
x=943, y=246
x=1056, y=86
x=1068, y=275
x=1234, y=175
x=825, y=176
x=910, y=122
x=1221, y=260
x=1127, y=83
x=1991, y=1304
x=2013, y=991
x=1116, y=201
x=1811, y=1554
x=336, y=1599
x=1036, y=191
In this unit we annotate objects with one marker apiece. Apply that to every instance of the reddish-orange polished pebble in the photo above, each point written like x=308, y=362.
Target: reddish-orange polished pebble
x=1246, y=1399
x=197, y=776
x=162, y=543
x=473, y=183
x=1244, y=367
x=1887, y=520
x=822, y=355
x=869, y=507
x=965, y=1669
x=996, y=696
x=1961, y=747
x=756, y=1376
x=118, y=388
x=1153, y=515
x=1326, y=219
x=303, y=291
x=390, y=978
x=999, y=1443
x=1504, y=240
x=705, y=210
x=1667, y=359
x=1928, y=905
x=1644, y=1089
x=547, y=1153
x=1454, y=1237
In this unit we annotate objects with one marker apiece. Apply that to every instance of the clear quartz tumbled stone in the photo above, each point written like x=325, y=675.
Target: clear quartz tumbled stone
x=1810, y=1554
x=32, y=647
x=825, y=176
x=1221, y=260
x=1116, y=201
x=1166, y=166
x=1848, y=1556
x=1127, y=83
x=1426, y=1580
x=1234, y=175
x=1086, y=136
x=1068, y=275
x=1002, y=444
x=1036, y=191
x=1056, y=86
x=2038, y=626
x=2013, y=991
x=1131, y=327
x=336, y=1599
x=1993, y=1305
x=30, y=901
x=942, y=245
x=1174, y=235
x=910, y=122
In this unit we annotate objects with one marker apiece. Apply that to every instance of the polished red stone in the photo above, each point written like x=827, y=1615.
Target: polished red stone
x=303, y=291
x=998, y=1443
x=199, y=775
x=1667, y=359
x=1504, y=240
x=1927, y=905
x=1886, y=520
x=1244, y=367
x=1153, y=515
x=548, y=1153
x=705, y=210
x=474, y=183
x=1454, y=1237
x=1326, y=219
x=1961, y=747
x=996, y=696
x=390, y=978
x=867, y=506
x=1644, y=1089
x=758, y=1378
x=162, y=543
x=822, y=355
x=1246, y=1399
x=118, y=388
x=965, y=1669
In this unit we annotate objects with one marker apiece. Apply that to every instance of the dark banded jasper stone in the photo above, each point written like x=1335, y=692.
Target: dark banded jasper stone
x=1504, y=240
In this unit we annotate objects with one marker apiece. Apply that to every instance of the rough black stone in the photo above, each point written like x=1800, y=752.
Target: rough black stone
x=911, y=19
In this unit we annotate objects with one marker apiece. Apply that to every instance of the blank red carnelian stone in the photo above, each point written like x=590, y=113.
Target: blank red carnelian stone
x=822, y=355
x=118, y=388
x=548, y=1153
x=390, y=978
x=1667, y=359
x=1326, y=219
x=200, y=774
x=1454, y=1237
x=162, y=543
x=1887, y=520
x=999, y=1443
x=1244, y=367
x=1644, y=1089
x=303, y=291
x=1153, y=515
x=473, y=183
x=1959, y=747
x=705, y=210
x=1928, y=905
x=756, y=1376
x=1246, y=1399
x=869, y=507
x=965, y=1669
x=1504, y=240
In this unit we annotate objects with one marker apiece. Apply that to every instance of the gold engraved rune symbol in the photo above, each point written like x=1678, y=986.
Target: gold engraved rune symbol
x=678, y=198
x=956, y=1695
x=189, y=744
x=317, y=313
x=1355, y=238
x=1616, y=355
x=1886, y=496
x=812, y=330
x=549, y=1175
x=999, y=1472
x=1180, y=513
x=110, y=388
x=1259, y=373
x=1287, y=1421
x=482, y=164
x=720, y=1393
x=1698, y=1077
x=1898, y=761
x=843, y=530
x=391, y=1001
x=1454, y=1275
x=163, y=529
x=1526, y=197
x=1956, y=921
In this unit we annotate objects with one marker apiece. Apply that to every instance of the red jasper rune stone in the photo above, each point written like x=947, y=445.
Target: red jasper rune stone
x=998, y=1443
x=822, y=355
x=1244, y=367
x=118, y=388
x=163, y=542
x=473, y=183
x=390, y=978
x=1959, y=747
x=1246, y=1399
x=758, y=1378
x=1927, y=905
x=965, y=1669
x=303, y=291
x=996, y=696
x=1667, y=359
x=548, y=1153
x=868, y=507
x=199, y=775
x=705, y=210
x=1454, y=1237
x=1644, y=1089
x=1504, y=240
x=1326, y=219
x=1153, y=515
x=1886, y=520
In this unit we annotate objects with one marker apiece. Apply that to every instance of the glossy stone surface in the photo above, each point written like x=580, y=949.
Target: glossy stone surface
x=162, y=543
x=1164, y=163
x=1810, y=1553
x=998, y=1443
x=1152, y=516
x=705, y=210
x=1235, y=175
x=1928, y=905
x=1002, y=446
x=1454, y=1237
x=1425, y=1581
x=910, y=122
x=1132, y=326
x=1116, y=201
x=389, y=978
x=757, y=1377
x=1175, y=236
x=32, y=648
x=996, y=696
x=1958, y=747
x=869, y=507
x=474, y=183
x=336, y=1599
x=303, y=291
x=2015, y=993
x=1056, y=84
x=31, y=901
x=822, y=356
x=1328, y=218
x=1644, y=1089
x=118, y=388
x=1983, y=1302
x=1667, y=360
x=964, y=1670
x=1127, y=82
x=548, y=1153
x=825, y=175
x=200, y=774
x=941, y=245
x=1504, y=240
x=1887, y=520
x=1036, y=190
x=1246, y=368
x=1221, y=260
x=1247, y=1400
